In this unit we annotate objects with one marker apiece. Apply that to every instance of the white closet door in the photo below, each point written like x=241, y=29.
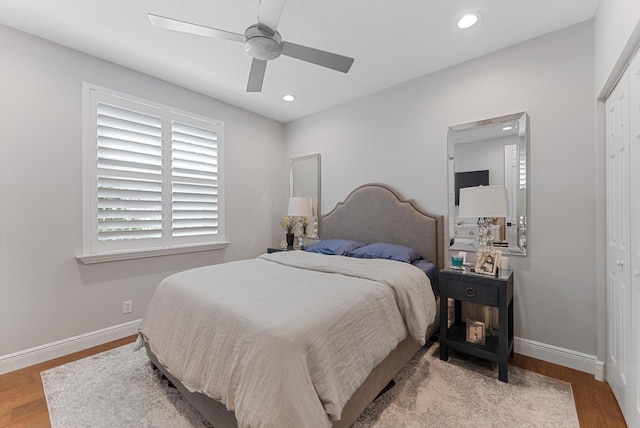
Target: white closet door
x=633, y=398
x=618, y=251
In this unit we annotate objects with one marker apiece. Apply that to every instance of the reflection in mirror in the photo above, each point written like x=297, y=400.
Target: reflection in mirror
x=304, y=181
x=490, y=152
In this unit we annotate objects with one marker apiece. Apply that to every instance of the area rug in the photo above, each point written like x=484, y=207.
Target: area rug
x=118, y=388
x=465, y=392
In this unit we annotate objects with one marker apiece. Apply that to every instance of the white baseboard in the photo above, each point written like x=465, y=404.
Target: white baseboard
x=561, y=356
x=599, y=371
x=49, y=351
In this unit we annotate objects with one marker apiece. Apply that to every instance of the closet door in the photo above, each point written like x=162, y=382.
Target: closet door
x=633, y=398
x=618, y=251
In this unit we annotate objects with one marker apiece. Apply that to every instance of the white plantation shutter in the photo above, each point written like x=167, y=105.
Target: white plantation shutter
x=523, y=172
x=129, y=180
x=155, y=176
x=194, y=180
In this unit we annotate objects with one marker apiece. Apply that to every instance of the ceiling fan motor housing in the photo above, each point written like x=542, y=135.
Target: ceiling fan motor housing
x=261, y=44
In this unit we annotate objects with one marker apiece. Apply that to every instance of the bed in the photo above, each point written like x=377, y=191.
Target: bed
x=333, y=375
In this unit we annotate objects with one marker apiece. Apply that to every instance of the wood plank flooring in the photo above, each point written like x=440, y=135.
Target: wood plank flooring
x=22, y=402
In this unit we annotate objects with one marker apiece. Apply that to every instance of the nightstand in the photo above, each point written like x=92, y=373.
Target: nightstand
x=277, y=250
x=496, y=291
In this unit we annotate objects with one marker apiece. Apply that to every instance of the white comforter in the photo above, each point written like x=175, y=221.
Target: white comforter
x=284, y=340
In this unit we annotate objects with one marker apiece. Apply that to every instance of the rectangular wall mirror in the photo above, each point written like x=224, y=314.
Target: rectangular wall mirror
x=304, y=181
x=490, y=152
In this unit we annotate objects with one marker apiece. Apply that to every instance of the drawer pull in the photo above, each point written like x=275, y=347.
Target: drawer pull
x=470, y=292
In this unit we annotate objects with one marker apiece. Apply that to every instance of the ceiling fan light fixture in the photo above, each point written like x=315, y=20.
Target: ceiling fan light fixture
x=468, y=20
x=261, y=44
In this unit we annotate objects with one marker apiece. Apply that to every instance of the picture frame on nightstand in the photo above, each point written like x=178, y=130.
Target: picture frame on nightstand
x=476, y=332
x=488, y=261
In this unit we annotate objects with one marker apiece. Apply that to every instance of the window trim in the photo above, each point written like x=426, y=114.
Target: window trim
x=89, y=166
x=112, y=256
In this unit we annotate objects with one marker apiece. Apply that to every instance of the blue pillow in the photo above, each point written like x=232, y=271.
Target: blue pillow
x=335, y=247
x=431, y=270
x=383, y=250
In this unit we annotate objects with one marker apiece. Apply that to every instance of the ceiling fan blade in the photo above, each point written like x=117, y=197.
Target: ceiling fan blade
x=270, y=13
x=318, y=57
x=256, y=75
x=187, y=27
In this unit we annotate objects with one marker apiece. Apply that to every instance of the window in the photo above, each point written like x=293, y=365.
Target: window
x=153, y=179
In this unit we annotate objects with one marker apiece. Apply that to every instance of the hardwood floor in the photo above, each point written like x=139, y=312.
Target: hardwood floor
x=22, y=402
x=595, y=404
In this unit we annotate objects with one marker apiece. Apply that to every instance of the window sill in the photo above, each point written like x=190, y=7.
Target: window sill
x=113, y=256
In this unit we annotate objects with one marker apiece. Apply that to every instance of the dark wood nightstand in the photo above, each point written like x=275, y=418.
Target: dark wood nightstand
x=277, y=250
x=496, y=291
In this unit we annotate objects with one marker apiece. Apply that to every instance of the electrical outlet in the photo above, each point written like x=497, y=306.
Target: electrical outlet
x=127, y=306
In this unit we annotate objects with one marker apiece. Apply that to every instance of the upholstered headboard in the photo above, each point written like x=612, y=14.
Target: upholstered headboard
x=376, y=213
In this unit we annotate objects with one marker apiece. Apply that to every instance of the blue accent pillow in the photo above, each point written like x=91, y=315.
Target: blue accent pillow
x=335, y=247
x=383, y=250
x=431, y=270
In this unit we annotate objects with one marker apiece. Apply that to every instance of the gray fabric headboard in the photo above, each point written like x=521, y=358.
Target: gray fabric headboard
x=376, y=213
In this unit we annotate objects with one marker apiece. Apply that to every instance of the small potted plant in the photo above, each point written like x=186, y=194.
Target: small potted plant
x=289, y=224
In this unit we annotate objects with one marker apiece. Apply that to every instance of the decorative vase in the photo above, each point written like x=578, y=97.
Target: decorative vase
x=290, y=237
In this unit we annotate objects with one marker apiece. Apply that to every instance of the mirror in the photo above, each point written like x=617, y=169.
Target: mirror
x=490, y=152
x=304, y=180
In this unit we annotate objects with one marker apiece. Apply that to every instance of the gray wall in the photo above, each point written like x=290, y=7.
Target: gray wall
x=45, y=294
x=399, y=136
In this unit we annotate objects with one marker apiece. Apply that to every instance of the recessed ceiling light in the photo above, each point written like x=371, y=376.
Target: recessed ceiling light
x=507, y=128
x=468, y=20
x=288, y=98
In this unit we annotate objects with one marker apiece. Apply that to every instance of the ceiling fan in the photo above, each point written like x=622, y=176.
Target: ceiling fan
x=261, y=41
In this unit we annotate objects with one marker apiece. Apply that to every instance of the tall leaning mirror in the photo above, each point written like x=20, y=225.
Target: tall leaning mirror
x=491, y=152
x=304, y=181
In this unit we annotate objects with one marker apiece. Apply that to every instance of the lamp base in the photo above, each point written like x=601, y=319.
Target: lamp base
x=485, y=232
x=290, y=237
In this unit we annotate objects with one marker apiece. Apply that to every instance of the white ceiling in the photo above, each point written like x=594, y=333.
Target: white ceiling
x=392, y=41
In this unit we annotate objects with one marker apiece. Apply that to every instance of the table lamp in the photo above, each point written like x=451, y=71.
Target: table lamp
x=300, y=207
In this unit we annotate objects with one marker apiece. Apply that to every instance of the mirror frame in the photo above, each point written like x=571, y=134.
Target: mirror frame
x=522, y=198
x=317, y=200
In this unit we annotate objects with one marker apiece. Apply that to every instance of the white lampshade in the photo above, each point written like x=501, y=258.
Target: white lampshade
x=301, y=207
x=483, y=201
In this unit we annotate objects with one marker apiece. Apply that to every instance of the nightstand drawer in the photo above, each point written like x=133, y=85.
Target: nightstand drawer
x=472, y=292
